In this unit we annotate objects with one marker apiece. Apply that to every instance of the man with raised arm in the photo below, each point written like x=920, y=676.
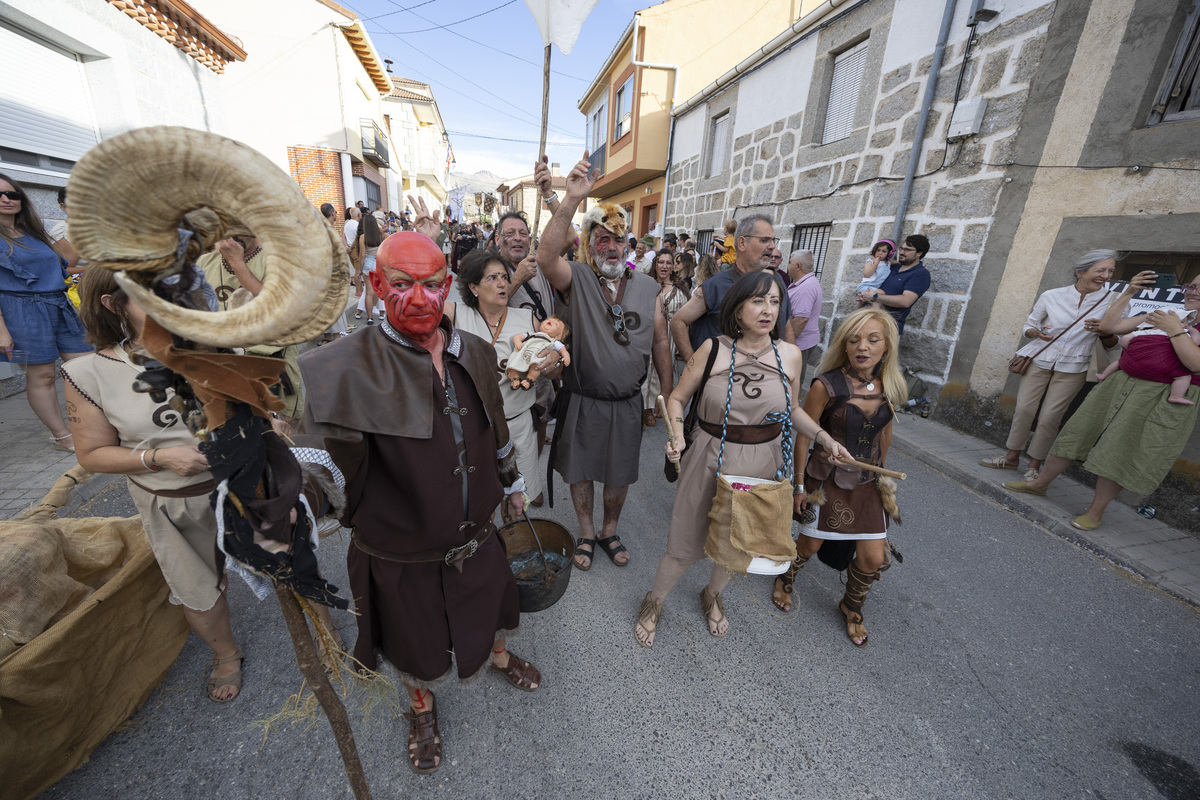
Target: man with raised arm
x=696, y=321
x=616, y=327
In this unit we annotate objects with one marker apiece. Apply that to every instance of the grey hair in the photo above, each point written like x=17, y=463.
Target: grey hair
x=1093, y=256
x=746, y=225
x=803, y=255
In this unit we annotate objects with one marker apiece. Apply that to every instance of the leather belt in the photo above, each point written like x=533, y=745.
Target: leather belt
x=195, y=490
x=454, y=557
x=743, y=434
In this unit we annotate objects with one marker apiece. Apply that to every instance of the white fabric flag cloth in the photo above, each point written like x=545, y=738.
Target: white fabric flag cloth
x=560, y=20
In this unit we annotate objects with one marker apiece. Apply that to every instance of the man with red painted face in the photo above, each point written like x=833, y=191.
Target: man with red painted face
x=411, y=415
x=616, y=325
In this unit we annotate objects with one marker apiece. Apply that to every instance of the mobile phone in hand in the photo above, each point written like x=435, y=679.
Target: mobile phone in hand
x=1165, y=280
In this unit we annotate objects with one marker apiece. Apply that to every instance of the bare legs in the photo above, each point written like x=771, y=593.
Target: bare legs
x=1106, y=488
x=583, y=496
x=670, y=570
x=43, y=397
x=214, y=628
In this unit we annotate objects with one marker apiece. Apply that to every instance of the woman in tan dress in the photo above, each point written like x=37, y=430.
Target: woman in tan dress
x=756, y=378
x=118, y=430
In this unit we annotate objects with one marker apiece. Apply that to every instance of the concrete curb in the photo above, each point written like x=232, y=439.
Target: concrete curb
x=1020, y=504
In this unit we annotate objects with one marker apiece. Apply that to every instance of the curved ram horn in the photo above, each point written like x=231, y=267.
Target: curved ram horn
x=129, y=194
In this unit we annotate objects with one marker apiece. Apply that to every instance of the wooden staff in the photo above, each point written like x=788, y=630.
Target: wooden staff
x=662, y=409
x=900, y=476
x=537, y=212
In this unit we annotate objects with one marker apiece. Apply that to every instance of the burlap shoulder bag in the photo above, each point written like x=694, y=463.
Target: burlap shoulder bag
x=752, y=517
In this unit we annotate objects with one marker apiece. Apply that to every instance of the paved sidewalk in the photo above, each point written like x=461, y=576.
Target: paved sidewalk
x=30, y=464
x=1167, y=558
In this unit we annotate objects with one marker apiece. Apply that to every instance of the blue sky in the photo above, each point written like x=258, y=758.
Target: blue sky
x=482, y=92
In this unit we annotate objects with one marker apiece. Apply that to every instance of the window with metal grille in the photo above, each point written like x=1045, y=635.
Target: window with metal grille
x=703, y=242
x=843, y=93
x=624, y=109
x=815, y=239
x=1179, y=96
x=718, y=144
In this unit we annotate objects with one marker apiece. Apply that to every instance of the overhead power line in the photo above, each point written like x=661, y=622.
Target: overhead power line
x=522, y=141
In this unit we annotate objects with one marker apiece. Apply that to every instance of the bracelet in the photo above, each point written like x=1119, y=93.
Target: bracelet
x=548, y=200
x=1181, y=333
x=797, y=489
x=154, y=459
x=151, y=468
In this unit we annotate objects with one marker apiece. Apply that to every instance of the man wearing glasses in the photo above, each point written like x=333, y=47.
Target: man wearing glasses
x=527, y=288
x=904, y=286
x=696, y=321
x=616, y=327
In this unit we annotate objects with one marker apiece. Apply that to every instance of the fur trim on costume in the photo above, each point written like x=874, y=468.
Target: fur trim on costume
x=887, y=493
x=335, y=496
x=607, y=215
x=817, y=497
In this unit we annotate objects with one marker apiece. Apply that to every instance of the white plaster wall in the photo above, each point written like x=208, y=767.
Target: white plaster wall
x=299, y=83
x=689, y=135
x=915, y=25
x=776, y=90
x=135, y=77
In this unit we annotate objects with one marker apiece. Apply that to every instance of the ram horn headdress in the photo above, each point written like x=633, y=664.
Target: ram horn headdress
x=130, y=195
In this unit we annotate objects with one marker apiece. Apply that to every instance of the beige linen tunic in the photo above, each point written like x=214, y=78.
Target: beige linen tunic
x=182, y=531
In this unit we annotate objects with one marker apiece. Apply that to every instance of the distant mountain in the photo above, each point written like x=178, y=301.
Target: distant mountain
x=476, y=181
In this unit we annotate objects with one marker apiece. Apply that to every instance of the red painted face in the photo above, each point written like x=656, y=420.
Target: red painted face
x=411, y=279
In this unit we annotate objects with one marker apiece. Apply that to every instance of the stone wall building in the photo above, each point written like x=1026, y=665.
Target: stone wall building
x=1072, y=151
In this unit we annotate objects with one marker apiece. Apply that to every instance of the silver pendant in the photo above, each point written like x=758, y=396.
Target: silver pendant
x=870, y=387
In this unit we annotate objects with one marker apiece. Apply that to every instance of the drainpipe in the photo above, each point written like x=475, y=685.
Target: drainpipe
x=637, y=29
x=347, y=180
x=914, y=157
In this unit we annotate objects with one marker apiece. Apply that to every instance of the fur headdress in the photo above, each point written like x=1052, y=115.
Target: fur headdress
x=609, y=216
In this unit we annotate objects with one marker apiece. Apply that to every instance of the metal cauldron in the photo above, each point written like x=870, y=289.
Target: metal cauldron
x=540, y=554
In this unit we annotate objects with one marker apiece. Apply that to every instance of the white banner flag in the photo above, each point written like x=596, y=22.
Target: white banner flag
x=560, y=20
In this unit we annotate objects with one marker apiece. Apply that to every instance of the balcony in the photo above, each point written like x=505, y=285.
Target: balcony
x=374, y=143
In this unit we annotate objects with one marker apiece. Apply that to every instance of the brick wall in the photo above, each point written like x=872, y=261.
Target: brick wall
x=364, y=170
x=319, y=173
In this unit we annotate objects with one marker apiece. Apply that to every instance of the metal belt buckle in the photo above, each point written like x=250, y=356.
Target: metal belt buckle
x=452, y=553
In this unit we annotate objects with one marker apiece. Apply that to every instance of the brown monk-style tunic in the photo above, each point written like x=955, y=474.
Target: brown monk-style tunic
x=376, y=405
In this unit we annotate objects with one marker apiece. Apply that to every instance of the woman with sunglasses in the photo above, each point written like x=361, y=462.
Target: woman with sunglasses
x=38, y=323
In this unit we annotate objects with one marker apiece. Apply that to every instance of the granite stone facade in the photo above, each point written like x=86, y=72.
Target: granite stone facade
x=781, y=168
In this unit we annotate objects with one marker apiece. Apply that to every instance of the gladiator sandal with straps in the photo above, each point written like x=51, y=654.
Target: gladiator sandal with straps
x=782, y=594
x=857, y=584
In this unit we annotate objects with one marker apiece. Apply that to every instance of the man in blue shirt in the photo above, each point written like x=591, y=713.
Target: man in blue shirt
x=904, y=286
x=696, y=320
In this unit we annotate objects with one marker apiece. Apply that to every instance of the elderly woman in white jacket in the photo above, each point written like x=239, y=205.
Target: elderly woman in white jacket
x=1060, y=365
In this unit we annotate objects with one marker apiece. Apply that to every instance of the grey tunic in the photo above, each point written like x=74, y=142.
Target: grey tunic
x=599, y=431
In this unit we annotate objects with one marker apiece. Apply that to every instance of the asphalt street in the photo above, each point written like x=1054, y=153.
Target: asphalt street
x=1003, y=662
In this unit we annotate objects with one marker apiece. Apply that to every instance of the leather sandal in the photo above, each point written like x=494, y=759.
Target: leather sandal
x=424, y=739
x=520, y=673
x=611, y=547
x=782, y=594
x=648, y=616
x=853, y=618
x=234, y=680
x=589, y=553
x=707, y=601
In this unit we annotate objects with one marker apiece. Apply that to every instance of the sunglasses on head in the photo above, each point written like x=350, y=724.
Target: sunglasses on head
x=11, y=195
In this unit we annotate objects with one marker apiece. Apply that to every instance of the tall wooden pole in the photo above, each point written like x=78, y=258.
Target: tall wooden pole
x=537, y=214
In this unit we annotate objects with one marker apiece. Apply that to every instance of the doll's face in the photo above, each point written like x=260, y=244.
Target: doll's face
x=552, y=328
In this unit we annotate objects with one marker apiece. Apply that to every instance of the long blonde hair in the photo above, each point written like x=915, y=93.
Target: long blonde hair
x=889, y=366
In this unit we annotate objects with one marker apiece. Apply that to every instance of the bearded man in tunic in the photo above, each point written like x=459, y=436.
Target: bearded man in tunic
x=410, y=414
x=617, y=326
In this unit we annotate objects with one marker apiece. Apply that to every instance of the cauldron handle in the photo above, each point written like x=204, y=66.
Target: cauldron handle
x=545, y=567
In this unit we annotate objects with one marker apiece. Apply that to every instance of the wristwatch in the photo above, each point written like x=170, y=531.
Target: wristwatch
x=548, y=200
x=876, y=295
